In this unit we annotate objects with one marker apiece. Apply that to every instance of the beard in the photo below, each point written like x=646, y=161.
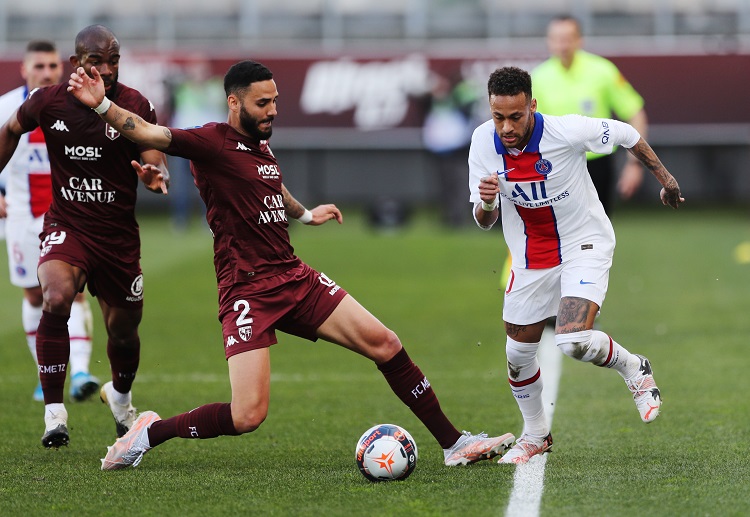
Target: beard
x=112, y=92
x=251, y=124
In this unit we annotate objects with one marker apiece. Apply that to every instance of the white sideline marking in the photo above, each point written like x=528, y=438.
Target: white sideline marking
x=528, y=480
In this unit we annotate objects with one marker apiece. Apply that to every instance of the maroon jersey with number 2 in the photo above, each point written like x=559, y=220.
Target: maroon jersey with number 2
x=263, y=286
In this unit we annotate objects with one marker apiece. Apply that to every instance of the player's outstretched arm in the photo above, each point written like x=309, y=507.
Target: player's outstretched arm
x=670, y=193
x=10, y=135
x=319, y=215
x=90, y=91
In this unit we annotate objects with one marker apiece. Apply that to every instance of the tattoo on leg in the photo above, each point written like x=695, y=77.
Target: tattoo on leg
x=513, y=330
x=573, y=311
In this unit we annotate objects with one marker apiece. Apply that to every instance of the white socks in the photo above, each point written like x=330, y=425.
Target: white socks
x=594, y=346
x=54, y=415
x=30, y=317
x=80, y=339
x=526, y=385
x=121, y=399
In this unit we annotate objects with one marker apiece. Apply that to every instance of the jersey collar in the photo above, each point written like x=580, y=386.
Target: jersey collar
x=536, y=136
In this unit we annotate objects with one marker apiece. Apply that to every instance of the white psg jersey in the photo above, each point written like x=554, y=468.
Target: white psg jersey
x=27, y=175
x=550, y=209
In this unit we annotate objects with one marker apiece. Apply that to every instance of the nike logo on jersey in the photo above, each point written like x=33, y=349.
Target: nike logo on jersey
x=242, y=147
x=585, y=283
x=59, y=126
x=506, y=171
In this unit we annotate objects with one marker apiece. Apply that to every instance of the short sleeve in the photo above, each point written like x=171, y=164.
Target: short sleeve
x=28, y=113
x=148, y=113
x=598, y=135
x=198, y=143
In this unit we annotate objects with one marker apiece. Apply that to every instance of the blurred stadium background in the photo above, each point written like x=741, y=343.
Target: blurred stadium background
x=354, y=75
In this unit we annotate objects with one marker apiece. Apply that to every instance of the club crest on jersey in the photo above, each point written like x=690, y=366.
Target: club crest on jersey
x=111, y=132
x=543, y=166
x=245, y=333
x=136, y=289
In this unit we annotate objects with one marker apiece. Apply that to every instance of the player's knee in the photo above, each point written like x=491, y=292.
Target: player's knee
x=121, y=337
x=575, y=344
x=388, y=345
x=57, y=301
x=377, y=343
x=248, y=419
x=520, y=354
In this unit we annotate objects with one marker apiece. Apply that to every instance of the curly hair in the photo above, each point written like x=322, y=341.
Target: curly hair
x=509, y=81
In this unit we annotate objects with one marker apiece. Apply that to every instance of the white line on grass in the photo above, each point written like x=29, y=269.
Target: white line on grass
x=528, y=480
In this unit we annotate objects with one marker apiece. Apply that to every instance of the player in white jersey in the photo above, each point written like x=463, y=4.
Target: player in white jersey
x=28, y=196
x=534, y=167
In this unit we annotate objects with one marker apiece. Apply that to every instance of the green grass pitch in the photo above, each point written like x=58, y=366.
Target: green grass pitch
x=676, y=295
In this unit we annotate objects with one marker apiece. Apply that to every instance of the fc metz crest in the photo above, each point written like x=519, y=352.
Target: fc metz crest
x=111, y=132
x=246, y=333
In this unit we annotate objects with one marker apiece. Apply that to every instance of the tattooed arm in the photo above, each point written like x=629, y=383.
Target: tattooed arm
x=294, y=208
x=670, y=193
x=90, y=91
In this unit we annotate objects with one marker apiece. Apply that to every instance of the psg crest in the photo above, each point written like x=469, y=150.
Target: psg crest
x=543, y=166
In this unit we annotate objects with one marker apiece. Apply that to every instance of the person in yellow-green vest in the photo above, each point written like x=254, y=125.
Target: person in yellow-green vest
x=575, y=81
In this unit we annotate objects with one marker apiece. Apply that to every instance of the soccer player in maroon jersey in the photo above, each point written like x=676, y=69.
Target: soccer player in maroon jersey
x=29, y=194
x=263, y=286
x=90, y=234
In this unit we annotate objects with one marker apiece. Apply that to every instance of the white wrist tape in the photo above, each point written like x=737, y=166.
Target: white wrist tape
x=306, y=218
x=489, y=208
x=102, y=108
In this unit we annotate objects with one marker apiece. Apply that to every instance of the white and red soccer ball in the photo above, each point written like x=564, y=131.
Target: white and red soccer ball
x=386, y=452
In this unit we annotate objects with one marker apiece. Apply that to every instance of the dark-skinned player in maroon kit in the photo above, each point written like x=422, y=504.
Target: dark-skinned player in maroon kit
x=263, y=286
x=90, y=234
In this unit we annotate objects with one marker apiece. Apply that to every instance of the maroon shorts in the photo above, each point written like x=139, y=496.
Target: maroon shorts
x=113, y=273
x=296, y=302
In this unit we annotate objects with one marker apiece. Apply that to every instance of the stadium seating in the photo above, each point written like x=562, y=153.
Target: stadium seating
x=272, y=22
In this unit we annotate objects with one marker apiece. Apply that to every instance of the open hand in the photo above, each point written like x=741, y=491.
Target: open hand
x=152, y=177
x=324, y=213
x=88, y=90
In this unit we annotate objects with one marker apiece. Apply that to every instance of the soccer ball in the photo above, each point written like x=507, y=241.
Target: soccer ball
x=386, y=452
